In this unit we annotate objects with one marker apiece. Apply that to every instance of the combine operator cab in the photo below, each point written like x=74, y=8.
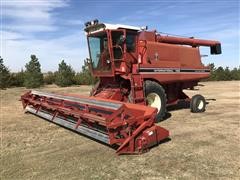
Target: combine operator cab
x=108, y=47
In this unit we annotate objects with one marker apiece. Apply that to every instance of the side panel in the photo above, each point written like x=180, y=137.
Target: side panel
x=171, y=63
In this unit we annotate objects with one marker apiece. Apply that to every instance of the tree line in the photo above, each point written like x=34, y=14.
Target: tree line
x=223, y=74
x=32, y=77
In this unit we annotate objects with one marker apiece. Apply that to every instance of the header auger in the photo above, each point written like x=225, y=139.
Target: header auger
x=140, y=73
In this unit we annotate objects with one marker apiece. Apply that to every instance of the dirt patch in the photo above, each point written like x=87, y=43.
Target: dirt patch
x=202, y=146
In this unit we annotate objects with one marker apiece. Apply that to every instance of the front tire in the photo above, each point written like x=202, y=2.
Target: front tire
x=198, y=104
x=156, y=97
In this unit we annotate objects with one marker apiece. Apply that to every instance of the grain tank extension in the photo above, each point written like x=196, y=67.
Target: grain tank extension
x=140, y=73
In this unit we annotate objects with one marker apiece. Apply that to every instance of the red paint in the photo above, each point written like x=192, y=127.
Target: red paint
x=173, y=62
x=154, y=51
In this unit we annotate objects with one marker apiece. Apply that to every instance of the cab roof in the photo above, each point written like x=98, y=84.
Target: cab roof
x=96, y=27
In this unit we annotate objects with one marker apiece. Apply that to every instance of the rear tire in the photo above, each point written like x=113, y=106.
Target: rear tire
x=156, y=97
x=198, y=104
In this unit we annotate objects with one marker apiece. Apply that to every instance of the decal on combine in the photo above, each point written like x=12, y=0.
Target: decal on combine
x=172, y=70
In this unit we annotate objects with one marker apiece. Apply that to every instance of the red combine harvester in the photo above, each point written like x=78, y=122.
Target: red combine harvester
x=140, y=73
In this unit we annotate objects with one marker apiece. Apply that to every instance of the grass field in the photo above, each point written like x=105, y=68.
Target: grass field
x=202, y=146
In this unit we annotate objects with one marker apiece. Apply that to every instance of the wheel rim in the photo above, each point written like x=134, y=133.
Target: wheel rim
x=200, y=105
x=153, y=100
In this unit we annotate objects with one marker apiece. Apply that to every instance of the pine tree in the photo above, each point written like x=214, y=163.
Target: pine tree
x=4, y=75
x=236, y=73
x=220, y=75
x=17, y=79
x=65, y=75
x=85, y=77
x=49, y=77
x=227, y=74
x=33, y=76
x=212, y=73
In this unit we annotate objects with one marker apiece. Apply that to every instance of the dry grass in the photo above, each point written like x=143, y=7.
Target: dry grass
x=202, y=146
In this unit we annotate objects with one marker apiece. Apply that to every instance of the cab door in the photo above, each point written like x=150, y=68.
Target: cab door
x=118, y=49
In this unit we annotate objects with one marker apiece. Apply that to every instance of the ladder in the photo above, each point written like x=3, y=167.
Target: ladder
x=137, y=89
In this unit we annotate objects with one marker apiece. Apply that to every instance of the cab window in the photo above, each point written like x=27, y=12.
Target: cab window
x=131, y=42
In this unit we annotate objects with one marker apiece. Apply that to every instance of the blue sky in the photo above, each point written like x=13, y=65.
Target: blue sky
x=53, y=29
